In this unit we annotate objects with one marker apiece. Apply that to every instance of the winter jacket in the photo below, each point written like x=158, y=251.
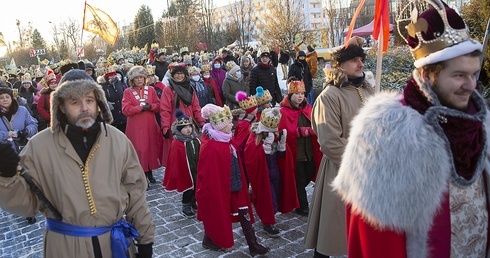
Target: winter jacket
x=265, y=75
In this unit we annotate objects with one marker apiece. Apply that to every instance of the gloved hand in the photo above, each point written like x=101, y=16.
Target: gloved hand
x=9, y=160
x=281, y=146
x=22, y=134
x=305, y=131
x=147, y=106
x=144, y=251
x=267, y=144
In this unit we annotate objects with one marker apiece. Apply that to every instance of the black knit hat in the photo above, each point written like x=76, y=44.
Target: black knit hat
x=301, y=53
x=181, y=120
x=345, y=54
x=177, y=69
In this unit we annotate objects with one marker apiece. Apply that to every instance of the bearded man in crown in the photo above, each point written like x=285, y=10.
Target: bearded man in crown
x=414, y=174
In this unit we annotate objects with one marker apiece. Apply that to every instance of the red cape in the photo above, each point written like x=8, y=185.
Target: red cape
x=218, y=206
x=177, y=172
x=258, y=175
x=289, y=121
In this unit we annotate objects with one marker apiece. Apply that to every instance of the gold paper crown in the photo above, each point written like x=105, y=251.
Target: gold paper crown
x=263, y=98
x=221, y=117
x=26, y=77
x=45, y=62
x=416, y=26
x=229, y=65
x=204, y=57
x=150, y=69
x=248, y=102
x=119, y=56
x=270, y=117
x=184, y=49
x=205, y=68
x=162, y=51
x=154, y=45
x=38, y=73
x=296, y=86
x=183, y=121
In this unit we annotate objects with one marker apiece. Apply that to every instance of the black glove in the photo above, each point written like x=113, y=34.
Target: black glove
x=147, y=106
x=9, y=159
x=145, y=251
x=22, y=134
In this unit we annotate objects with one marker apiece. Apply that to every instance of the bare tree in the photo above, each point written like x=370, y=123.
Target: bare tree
x=71, y=33
x=204, y=15
x=283, y=24
x=241, y=18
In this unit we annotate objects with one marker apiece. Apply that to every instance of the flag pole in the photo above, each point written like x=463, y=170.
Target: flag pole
x=83, y=26
x=379, y=62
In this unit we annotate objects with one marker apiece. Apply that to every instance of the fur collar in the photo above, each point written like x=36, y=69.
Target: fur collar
x=397, y=165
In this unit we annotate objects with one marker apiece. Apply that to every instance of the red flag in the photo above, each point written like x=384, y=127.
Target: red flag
x=382, y=22
x=353, y=22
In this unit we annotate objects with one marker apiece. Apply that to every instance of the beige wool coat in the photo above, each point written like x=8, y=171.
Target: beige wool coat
x=115, y=183
x=331, y=116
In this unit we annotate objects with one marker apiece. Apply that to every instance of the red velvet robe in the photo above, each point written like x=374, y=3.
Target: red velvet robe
x=258, y=176
x=289, y=121
x=217, y=96
x=142, y=128
x=177, y=171
x=218, y=206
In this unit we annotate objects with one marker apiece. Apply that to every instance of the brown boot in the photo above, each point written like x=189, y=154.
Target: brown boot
x=253, y=246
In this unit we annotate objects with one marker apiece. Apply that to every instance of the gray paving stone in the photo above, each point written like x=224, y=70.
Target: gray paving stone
x=176, y=236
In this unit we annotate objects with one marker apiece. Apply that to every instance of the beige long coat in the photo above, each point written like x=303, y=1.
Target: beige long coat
x=116, y=184
x=331, y=116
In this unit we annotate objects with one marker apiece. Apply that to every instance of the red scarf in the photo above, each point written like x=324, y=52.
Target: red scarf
x=465, y=136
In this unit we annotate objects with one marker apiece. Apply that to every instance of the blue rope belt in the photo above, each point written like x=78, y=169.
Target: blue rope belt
x=120, y=233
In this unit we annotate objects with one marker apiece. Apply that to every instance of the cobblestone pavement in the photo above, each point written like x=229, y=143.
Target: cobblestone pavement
x=176, y=236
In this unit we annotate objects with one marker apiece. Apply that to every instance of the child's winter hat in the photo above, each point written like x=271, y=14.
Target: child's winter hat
x=262, y=96
x=249, y=104
x=296, y=86
x=269, y=120
x=182, y=120
x=219, y=117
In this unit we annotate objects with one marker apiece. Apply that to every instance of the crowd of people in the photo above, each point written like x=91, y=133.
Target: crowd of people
x=395, y=175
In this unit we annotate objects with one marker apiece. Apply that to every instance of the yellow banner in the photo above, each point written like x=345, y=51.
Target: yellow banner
x=100, y=23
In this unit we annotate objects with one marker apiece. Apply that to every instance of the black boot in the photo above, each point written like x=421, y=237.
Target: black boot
x=207, y=243
x=253, y=247
x=147, y=181
x=194, y=205
x=31, y=220
x=150, y=177
x=187, y=210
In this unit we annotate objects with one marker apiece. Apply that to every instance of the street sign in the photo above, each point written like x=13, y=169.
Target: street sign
x=36, y=52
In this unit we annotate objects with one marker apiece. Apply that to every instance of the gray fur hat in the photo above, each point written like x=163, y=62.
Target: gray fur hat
x=136, y=71
x=74, y=85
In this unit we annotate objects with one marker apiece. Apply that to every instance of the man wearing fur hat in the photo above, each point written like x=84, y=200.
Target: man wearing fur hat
x=345, y=92
x=422, y=155
x=265, y=75
x=95, y=192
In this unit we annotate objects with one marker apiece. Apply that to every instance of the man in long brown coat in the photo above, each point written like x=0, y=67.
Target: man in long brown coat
x=333, y=110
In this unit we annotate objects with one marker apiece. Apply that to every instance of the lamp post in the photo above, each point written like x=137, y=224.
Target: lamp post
x=56, y=41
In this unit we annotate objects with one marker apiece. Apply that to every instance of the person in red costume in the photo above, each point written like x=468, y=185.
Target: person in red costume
x=273, y=189
x=178, y=94
x=264, y=99
x=302, y=140
x=222, y=191
x=244, y=117
x=139, y=104
x=181, y=167
x=211, y=84
x=50, y=83
x=414, y=174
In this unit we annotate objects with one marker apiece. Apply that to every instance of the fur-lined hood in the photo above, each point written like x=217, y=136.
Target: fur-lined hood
x=74, y=89
x=398, y=176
